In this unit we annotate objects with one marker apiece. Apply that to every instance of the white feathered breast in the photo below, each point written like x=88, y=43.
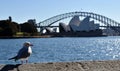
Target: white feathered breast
x=29, y=50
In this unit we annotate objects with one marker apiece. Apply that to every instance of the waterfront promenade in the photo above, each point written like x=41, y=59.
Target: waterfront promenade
x=65, y=66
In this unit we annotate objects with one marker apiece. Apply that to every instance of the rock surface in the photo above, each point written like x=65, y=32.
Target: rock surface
x=65, y=66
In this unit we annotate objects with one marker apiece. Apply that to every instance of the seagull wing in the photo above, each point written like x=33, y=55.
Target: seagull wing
x=23, y=53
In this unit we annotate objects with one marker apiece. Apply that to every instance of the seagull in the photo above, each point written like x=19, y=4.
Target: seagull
x=23, y=53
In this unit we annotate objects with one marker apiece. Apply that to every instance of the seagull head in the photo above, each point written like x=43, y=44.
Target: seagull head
x=27, y=44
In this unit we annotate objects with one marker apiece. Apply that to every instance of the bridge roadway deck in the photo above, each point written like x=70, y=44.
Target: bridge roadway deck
x=58, y=26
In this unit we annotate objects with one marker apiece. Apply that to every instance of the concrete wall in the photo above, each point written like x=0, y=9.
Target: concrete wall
x=65, y=66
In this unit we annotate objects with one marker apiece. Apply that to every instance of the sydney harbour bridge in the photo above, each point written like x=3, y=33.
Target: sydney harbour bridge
x=103, y=20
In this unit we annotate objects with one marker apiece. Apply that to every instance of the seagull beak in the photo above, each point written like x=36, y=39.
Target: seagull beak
x=31, y=45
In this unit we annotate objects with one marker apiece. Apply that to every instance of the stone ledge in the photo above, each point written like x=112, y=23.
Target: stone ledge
x=65, y=66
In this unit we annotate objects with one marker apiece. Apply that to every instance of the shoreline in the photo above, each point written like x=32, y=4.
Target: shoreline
x=11, y=37
x=44, y=36
x=109, y=65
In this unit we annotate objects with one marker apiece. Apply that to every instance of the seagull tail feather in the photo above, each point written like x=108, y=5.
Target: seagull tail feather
x=13, y=58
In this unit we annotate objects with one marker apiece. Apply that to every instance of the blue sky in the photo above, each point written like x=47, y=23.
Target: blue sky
x=22, y=10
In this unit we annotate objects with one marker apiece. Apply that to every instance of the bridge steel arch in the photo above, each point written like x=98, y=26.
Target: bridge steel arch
x=105, y=20
x=102, y=19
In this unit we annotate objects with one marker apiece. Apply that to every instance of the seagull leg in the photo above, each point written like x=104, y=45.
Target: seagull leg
x=26, y=61
x=21, y=62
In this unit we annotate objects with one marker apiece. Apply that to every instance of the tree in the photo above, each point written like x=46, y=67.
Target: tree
x=28, y=28
x=8, y=28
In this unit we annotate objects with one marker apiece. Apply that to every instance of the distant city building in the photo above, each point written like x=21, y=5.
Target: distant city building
x=109, y=32
x=32, y=21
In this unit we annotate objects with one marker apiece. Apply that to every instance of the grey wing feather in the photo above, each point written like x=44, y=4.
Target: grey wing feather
x=23, y=53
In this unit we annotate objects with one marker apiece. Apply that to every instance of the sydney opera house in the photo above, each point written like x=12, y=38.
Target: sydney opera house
x=77, y=27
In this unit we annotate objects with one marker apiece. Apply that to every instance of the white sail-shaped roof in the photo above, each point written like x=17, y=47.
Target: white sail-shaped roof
x=85, y=24
x=64, y=27
x=74, y=23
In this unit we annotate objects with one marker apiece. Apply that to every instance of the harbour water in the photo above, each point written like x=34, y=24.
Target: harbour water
x=63, y=49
